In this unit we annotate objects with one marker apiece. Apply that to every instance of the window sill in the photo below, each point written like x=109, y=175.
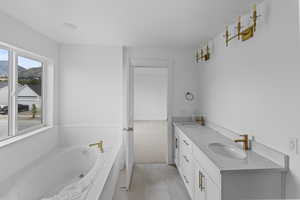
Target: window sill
x=15, y=139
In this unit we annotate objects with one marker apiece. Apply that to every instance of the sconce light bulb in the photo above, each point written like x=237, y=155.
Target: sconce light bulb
x=239, y=19
x=254, y=7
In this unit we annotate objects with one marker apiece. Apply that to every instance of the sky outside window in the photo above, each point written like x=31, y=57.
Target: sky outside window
x=3, y=55
x=28, y=63
x=22, y=61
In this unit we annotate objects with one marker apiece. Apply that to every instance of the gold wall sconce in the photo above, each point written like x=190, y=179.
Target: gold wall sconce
x=243, y=34
x=203, y=54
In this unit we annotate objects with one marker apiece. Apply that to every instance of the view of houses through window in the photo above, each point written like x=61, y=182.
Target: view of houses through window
x=28, y=95
x=4, y=98
x=29, y=92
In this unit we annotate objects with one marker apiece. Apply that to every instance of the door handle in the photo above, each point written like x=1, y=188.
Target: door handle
x=128, y=129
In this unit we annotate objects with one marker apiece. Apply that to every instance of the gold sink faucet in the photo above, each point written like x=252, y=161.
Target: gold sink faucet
x=99, y=145
x=245, y=142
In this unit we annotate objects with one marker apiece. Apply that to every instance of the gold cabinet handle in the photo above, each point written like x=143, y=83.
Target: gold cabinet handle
x=202, y=178
x=201, y=181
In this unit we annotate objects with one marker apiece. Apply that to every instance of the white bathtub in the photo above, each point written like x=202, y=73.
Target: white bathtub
x=64, y=174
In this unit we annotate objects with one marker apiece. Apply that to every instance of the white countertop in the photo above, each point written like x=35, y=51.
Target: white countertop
x=203, y=136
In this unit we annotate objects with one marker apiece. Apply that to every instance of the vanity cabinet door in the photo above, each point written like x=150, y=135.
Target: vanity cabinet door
x=212, y=190
x=204, y=187
x=188, y=175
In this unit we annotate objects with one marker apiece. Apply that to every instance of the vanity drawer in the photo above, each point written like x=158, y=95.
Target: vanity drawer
x=188, y=176
x=211, y=170
x=186, y=159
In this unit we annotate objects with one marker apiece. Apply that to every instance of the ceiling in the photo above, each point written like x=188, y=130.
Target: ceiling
x=151, y=23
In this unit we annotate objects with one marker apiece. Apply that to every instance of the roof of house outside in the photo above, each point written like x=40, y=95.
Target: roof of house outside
x=36, y=88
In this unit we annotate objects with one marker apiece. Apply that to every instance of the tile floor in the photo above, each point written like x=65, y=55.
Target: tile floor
x=153, y=182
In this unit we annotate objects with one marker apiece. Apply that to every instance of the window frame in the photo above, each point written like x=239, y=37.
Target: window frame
x=43, y=124
x=13, y=133
x=9, y=60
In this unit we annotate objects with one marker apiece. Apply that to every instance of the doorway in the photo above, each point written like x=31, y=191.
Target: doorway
x=150, y=89
x=130, y=65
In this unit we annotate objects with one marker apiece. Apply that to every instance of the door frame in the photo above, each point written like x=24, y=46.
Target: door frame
x=165, y=63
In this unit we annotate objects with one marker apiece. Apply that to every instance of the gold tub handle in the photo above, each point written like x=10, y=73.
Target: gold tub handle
x=99, y=145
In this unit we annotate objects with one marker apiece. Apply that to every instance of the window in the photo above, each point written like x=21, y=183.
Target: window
x=29, y=93
x=22, y=92
x=4, y=88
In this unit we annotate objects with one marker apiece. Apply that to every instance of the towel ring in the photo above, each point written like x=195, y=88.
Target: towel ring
x=189, y=96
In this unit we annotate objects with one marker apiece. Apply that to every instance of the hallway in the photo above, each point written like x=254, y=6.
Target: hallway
x=153, y=182
x=150, y=141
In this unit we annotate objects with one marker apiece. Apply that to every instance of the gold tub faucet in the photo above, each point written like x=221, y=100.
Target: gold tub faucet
x=99, y=145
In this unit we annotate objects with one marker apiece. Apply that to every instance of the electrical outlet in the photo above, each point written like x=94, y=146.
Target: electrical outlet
x=293, y=145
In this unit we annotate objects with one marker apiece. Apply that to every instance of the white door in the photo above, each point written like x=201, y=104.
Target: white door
x=128, y=124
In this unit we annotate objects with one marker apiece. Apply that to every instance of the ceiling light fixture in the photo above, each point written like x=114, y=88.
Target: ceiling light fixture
x=70, y=26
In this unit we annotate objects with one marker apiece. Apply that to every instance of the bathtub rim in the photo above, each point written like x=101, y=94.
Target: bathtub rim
x=101, y=178
x=53, y=154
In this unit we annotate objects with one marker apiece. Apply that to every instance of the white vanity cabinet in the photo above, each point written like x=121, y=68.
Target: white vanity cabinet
x=184, y=160
x=206, y=180
x=197, y=181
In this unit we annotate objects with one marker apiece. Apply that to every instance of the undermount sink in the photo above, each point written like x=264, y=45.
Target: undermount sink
x=227, y=151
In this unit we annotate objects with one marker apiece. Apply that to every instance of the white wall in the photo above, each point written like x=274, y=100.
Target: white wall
x=90, y=92
x=150, y=93
x=15, y=156
x=253, y=87
x=185, y=74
